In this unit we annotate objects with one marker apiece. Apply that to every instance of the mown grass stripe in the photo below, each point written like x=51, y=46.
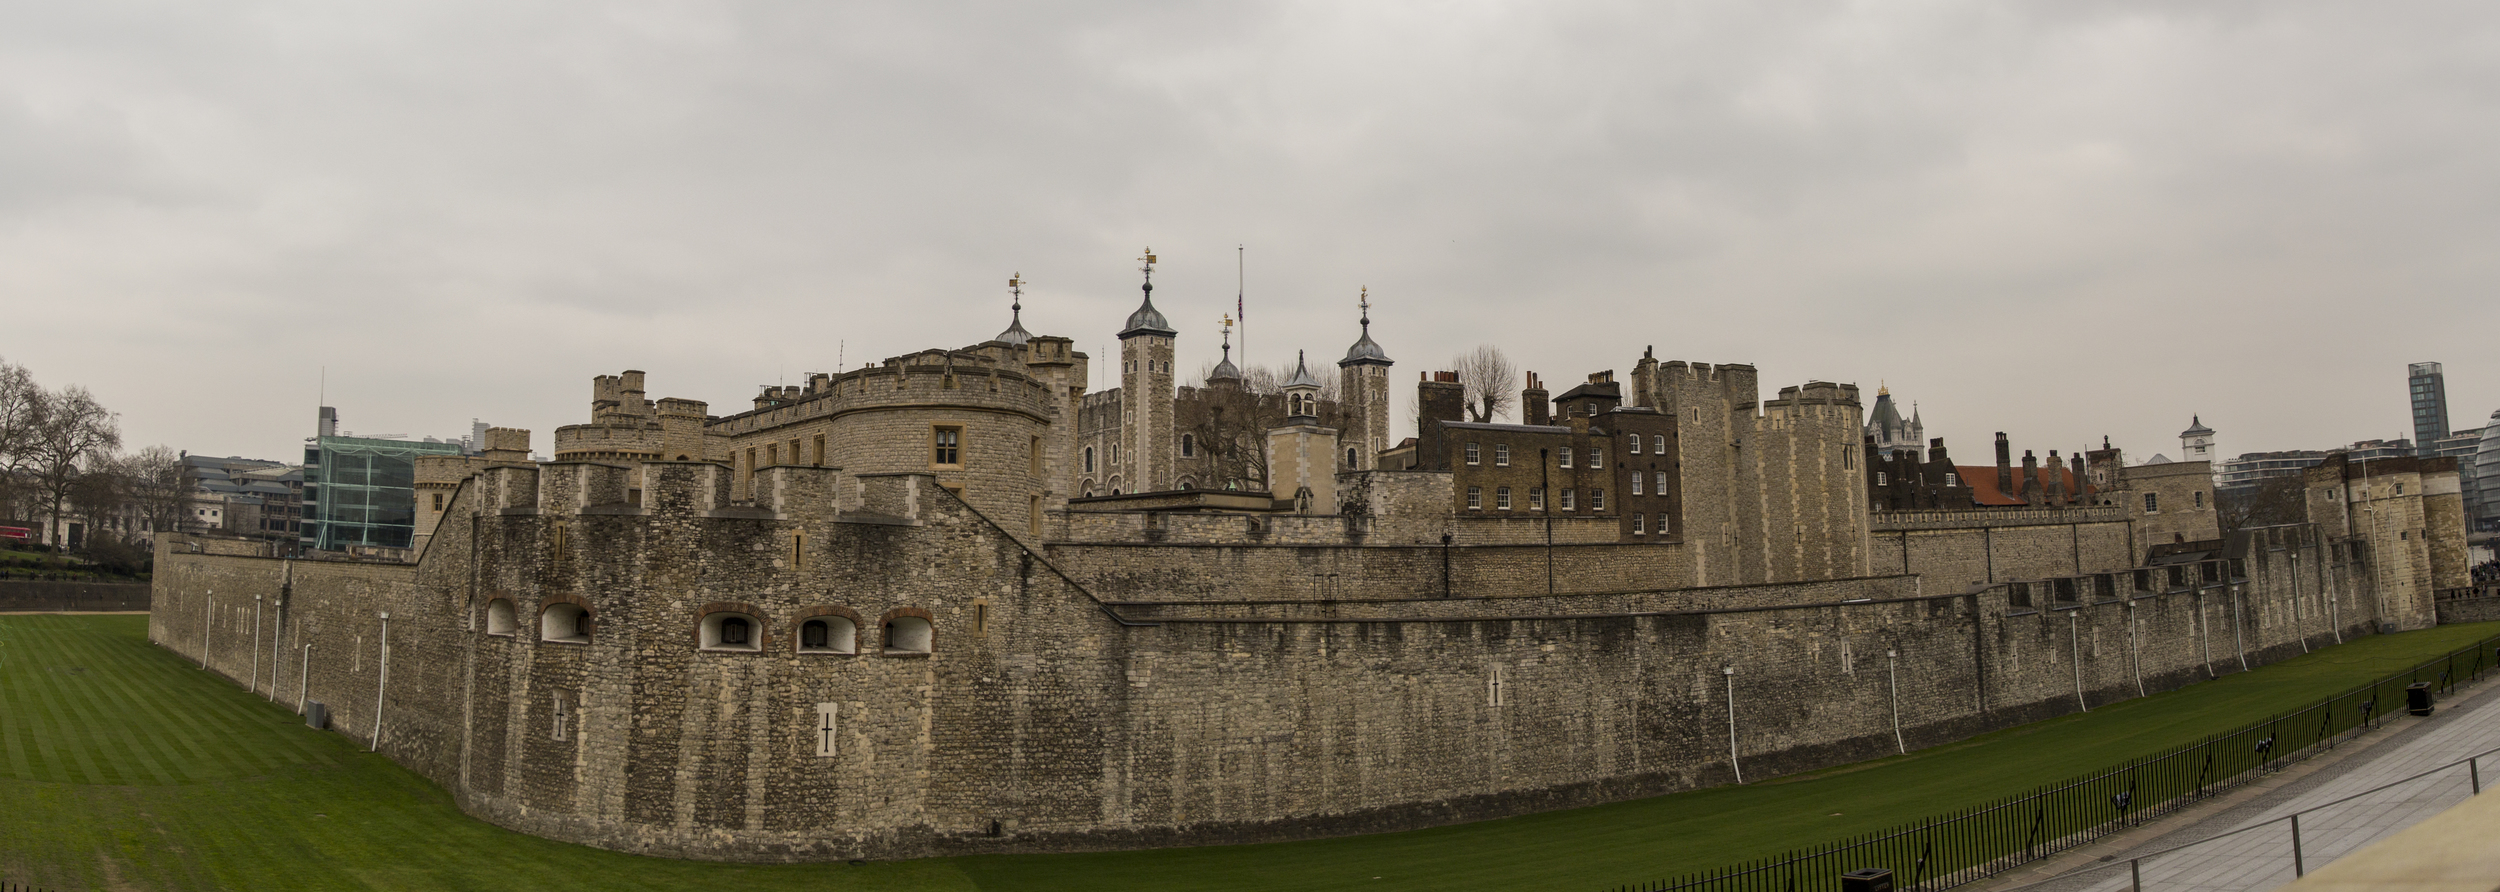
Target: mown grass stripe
x=390, y=829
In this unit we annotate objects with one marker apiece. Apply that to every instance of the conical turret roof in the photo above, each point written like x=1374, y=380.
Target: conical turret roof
x=2196, y=427
x=1148, y=320
x=1301, y=373
x=1364, y=349
x=1015, y=335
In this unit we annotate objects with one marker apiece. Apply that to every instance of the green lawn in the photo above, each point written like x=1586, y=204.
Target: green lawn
x=122, y=766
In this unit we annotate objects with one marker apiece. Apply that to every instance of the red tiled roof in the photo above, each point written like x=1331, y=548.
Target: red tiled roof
x=1982, y=480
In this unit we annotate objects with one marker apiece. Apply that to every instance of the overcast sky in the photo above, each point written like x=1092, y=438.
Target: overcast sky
x=2057, y=220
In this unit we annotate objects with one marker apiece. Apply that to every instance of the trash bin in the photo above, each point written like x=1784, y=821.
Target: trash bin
x=2418, y=697
x=316, y=714
x=1870, y=879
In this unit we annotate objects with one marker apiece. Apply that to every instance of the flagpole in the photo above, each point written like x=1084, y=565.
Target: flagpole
x=1241, y=288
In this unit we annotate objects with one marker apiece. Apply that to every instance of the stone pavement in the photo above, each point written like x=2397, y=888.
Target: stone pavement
x=2261, y=858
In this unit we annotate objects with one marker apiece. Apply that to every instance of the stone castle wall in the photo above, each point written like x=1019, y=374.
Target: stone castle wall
x=1043, y=719
x=1955, y=549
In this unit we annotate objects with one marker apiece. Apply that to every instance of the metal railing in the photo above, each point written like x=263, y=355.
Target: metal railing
x=1984, y=840
x=2297, y=859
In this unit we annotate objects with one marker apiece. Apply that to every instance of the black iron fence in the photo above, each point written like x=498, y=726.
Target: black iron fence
x=1982, y=841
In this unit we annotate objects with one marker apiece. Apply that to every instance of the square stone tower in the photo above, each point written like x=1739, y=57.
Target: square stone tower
x=1146, y=392
x=1363, y=383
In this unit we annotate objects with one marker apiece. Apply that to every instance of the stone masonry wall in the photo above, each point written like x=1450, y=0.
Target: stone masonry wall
x=1041, y=719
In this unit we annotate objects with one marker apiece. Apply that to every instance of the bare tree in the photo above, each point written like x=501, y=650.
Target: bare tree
x=75, y=431
x=1488, y=377
x=21, y=413
x=2268, y=502
x=153, y=479
x=1230, y=423
x=97, y=494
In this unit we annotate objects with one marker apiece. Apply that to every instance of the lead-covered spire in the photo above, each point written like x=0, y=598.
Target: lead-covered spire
x=1147, y=320
x=1365, y=350
x=1015, y=335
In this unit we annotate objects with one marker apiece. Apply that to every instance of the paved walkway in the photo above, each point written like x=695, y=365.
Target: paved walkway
x=2262, y=858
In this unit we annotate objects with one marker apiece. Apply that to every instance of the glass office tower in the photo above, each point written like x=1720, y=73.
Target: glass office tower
x=2429, y=388
x=362, y=492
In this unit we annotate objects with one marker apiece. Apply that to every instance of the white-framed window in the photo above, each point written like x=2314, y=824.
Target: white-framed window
x=565, y=623
x=1882, y=479
x=1658, y=479
x=1566, y=498
x=1475, y=454
x=1952, y=479
x=1564, y=454
x=1501, y=498
x=2152, y=503
x=1597, y=500
x=1475, y=498
x=728, y=630
x=1597, y=457
x=1658, y=444
x=1636, y=483
x=1501, y=455
x=1636, y=444
x=1536, y=498
x=828, y=635
x=908, y=635
x=1636, y=525
x=500, y=619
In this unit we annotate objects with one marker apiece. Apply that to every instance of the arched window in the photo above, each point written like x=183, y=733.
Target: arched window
x=500, y=619
x=829, y=635
x=1349, y=457
x=908, y=635
x=564, y=623
x=731, y=630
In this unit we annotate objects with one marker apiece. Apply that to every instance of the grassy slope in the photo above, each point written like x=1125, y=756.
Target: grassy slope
x=120, y=764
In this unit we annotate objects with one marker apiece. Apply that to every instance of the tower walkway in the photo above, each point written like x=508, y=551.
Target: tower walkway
x=2261, y=858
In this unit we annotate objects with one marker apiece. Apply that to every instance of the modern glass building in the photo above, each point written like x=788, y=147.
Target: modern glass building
x=361, y=492
x=2428, y=386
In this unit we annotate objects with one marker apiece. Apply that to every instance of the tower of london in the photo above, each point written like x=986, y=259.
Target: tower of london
x=953, y=602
